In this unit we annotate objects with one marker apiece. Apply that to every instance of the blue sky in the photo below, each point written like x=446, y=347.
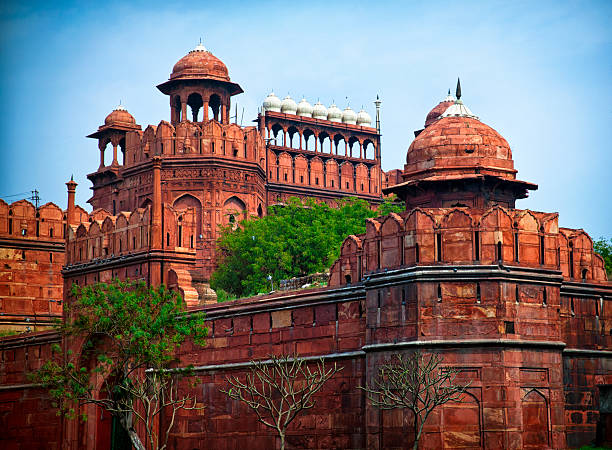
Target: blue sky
x=540, y=73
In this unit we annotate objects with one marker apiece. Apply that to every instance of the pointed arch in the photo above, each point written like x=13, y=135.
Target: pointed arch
x=187, y=201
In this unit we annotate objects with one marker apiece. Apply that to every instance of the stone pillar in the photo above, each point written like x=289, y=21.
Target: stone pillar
x=102, y=148
x=183, y=111
x=173, y=118
x=115, y=161
x=156, y=267
x=70, y=213
x=205, y=112
x=360, y=150
x=223, y=119
x=156, y=213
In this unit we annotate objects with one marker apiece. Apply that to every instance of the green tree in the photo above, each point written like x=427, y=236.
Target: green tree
x=127, y=334
x=603, y=246
x=295, y=239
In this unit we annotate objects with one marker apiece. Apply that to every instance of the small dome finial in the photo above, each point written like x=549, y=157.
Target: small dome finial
x=72, y=177
x=200, y=47
x=458, y=91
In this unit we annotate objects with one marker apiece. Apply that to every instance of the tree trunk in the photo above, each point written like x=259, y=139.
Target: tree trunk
x=126, y=423
x=417, y=434
x=282, y=439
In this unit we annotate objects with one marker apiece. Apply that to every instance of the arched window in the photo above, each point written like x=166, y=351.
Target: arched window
x=214, y=106
x=195, y=102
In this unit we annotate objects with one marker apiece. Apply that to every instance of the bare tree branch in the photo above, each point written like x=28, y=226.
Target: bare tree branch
x=279, y=389
x=417, y=383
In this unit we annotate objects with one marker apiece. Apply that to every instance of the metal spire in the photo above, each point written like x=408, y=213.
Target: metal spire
x=458, y=91
x=377, y=102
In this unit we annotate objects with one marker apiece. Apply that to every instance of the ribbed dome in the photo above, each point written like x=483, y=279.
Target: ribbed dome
x=364, y=119
x=304, y=108
x=200, y=63
x=119, y=115
x=459, y=146
x=272, y=103
x=288, y=106
x=334, y=114
x=349, y=116
x=319, y=111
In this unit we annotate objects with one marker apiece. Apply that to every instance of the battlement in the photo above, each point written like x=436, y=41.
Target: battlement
x=22, y=220
x=104, y=236
x=185, y=139
x=456, y=236
x=32, y=256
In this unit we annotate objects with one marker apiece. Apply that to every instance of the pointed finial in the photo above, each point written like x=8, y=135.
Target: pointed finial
x=448, y=91
x=458, y=91
x=72, y=177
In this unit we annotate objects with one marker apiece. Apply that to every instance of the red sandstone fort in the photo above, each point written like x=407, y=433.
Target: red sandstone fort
x=518, y=303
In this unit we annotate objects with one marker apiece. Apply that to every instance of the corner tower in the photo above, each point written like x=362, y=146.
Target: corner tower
x=199, y=80
x=459, y=161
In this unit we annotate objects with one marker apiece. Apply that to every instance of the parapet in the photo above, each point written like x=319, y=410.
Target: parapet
x=451, y=236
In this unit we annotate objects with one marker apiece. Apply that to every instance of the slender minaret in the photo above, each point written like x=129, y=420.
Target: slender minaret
x=70, y=219
x=377, y=102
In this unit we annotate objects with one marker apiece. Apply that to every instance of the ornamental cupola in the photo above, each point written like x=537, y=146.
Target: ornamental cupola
x=457, y=160
x=200, y=81
x=116, y=126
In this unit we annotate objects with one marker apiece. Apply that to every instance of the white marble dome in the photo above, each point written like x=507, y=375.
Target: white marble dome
x=304, y=108
x=272, y=103
x=288, y=106
x=334, y=114
x=364, y=119
x=319, y=111
x=349, y=116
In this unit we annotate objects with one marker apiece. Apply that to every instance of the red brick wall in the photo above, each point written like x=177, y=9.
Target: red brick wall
x=31, y=259
x=27, y=417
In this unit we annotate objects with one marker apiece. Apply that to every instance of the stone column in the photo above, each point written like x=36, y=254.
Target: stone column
x=156, y=213
x=70, y=213
x=102, y=148
x=183, y=111
x=205, y=112
x=115, y=161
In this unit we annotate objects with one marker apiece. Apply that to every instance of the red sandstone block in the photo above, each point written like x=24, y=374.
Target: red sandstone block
x=493, y=419
x=260, y=338
x=242, y=324
x=495, y=441
x=350, y=327
x=325, y=314
x=492, y=374
x=302, y=316
x=261, y=322
x=348, y=310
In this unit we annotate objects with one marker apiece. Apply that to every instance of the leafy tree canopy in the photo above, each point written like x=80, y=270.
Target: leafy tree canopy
x=295, y=239
x=119, y=330
x=603, y=246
